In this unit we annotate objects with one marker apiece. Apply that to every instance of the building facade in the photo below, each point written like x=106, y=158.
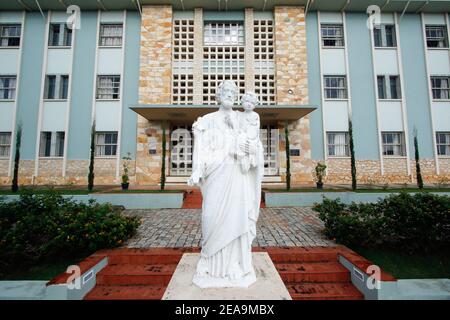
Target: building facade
x=140, y=68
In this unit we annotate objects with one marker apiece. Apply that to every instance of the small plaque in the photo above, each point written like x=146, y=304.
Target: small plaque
x=152, y=151
x=295, y=152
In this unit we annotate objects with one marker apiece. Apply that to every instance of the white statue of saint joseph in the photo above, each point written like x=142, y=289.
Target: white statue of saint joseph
x=231, y=194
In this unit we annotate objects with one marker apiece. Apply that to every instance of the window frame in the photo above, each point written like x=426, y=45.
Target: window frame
x=113, y=88
x=2, y=37
x=53, y=144
x=59, y=94
x=436, y=90
x=5, y=146
x=386, y=82
x=102, y=37
x=400, y=146
x=334, y=145
x=9, y=88
x=220, y=28
x=63, y=41
x=383, y=42
x=337, y=89
x=338, y=40
x=102, y=146
x=446, y=144
x=444, y=37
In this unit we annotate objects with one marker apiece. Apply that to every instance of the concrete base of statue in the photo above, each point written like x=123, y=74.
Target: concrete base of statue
x=268, y=284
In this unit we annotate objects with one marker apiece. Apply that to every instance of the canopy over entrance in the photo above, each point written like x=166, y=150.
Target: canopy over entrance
x=190, y=113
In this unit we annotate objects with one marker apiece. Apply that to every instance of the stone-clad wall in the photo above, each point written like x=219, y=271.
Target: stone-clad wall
x=154, y=87
x=291, y=81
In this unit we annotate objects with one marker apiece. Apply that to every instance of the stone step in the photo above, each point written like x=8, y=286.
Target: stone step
x=324, y=291
x=129, y=274
x=126, y=292
x=313, y=272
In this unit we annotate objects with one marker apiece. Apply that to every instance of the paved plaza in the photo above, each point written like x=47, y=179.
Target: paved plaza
x=182, y=228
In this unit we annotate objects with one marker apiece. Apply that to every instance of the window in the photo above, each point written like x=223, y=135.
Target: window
x=332, y=35
x=108, y=87
x=219, y=34
x=7, y=87
x=56, y=87
x=384, y=36
x=5, y=144
x=389, y=87
x=443, y=143
x=52, y=144
x=60, y=35
x=10, y=35
x=440, y=87
x=335, y=87
x=393, y=143
x=111, y=35
x=436, y=36
x=106, y=144
x=338, y=144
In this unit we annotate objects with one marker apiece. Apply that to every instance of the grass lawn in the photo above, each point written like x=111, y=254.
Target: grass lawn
x=42, y=191
x=405, y=266
x=45, y=270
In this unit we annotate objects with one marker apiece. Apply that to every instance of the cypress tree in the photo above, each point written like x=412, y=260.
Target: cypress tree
x=352, y=155
x=15, y=180
x=288, y=157
x=163, y=160
x=91, y=159
x=417, y=158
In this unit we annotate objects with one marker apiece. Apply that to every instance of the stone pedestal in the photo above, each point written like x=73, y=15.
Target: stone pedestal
x=268, y=285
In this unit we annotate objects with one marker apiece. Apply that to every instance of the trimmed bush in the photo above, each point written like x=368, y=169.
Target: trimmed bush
x=46, y=226
x=412, y=222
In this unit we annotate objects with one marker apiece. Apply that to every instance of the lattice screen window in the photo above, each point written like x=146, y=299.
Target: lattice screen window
x=264, y=61
x=269, y=140
x=183, y=62
x=181, y=147
x=223, y=58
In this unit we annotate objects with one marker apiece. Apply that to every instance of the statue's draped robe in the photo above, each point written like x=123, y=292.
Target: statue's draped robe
x=231, y=200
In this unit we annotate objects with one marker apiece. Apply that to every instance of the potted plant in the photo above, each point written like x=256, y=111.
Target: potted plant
x=125, y=179
x=319, y=174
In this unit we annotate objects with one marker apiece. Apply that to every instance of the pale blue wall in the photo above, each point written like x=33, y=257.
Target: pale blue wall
x=362, y=87
x=314, y=87
x=30, y=82
x=415, y=84
x=82, y=87
x=131, y=84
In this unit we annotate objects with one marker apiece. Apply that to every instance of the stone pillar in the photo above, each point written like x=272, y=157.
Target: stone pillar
x=155, y=80
x=249, y=51
x=291, y=81
x=198, y=56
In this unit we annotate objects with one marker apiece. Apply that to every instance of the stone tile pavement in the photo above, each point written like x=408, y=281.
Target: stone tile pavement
x=182, y=228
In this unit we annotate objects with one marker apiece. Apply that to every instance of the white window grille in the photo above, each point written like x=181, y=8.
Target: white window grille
x=393, y=143
x=440, y=87
x=181, y=146
x=264, y=61
x=338, y=144
x=108, y=87
x=335, y=87
x=443, y=143
x=7, y=87
x=332, y=35
x=436, y=36
x=106, y=143
x=52, y=144
x=5, y=144
x=10, y=35
x=183, y=62
x=111, y=35
x=270, y=142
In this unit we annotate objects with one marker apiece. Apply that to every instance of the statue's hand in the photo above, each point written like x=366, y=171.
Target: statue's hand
x=194, y=179
x=247, y=147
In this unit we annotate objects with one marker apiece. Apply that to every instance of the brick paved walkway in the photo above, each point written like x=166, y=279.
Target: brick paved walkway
x=182, y=228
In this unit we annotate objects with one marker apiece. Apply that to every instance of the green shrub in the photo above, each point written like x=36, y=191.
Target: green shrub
x=410, y=222
x=42, y=226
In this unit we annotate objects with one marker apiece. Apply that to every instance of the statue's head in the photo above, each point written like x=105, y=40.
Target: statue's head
x=226, y=94
x=249, y=101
